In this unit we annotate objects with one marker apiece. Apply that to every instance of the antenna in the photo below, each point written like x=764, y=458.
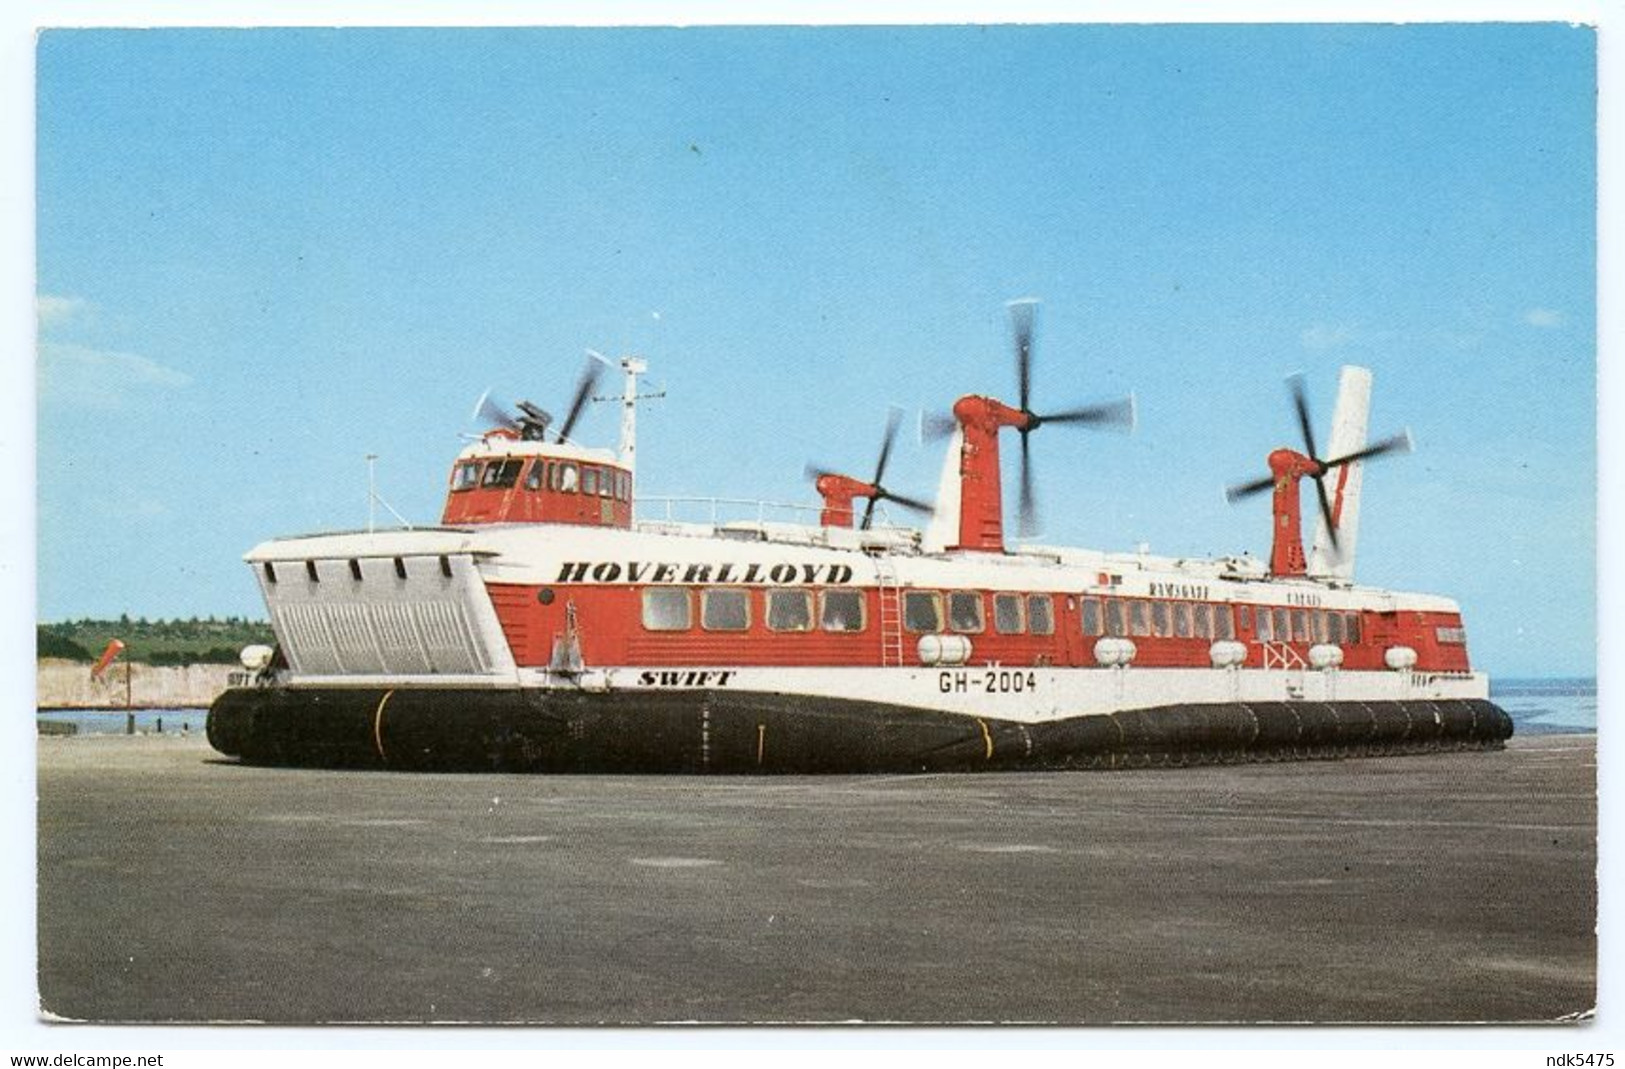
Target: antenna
x=374, y=498
x=372, y=491
x=631, y=368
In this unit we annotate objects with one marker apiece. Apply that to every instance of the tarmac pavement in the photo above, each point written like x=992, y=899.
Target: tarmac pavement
x=179, y=886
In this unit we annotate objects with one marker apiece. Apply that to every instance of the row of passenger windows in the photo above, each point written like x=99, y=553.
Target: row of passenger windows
x=1180, y=619
x=670, y=608
x=559, y=476
x=1013, y=614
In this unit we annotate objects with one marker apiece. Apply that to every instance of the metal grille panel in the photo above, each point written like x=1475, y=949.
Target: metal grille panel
x=383, y=623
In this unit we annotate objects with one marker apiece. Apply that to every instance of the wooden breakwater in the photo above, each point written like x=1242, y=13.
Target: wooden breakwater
x=68, y=685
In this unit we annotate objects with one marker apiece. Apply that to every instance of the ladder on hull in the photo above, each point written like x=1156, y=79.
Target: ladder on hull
x=890, y=597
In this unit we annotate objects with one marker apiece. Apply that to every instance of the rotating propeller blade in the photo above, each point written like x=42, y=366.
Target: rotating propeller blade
x=868, y=512
x=894, y=419
x=1028, y=516
x=488, y=411
x=912, y=503
x=1326, y=510
x=1023, y=314
x=1300, y=402
x=584, y=388
x=1111, y=415
x=1397, y=443
x=1240, y=490
x=935, y=426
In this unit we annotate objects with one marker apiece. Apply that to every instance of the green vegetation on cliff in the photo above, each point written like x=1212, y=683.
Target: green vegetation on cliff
x=195, y=641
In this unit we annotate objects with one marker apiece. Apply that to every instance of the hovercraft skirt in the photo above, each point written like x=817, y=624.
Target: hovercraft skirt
x=536, y=730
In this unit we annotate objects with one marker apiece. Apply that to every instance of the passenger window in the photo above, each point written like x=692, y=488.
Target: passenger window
x=1114, y=619
x=1300, y=626
x=1091, y=617
x=1007, y=615
x=724, y=609
x=1223, y=627
x=1204, y=621
x=1040, y=614
x=1159, y=619
x=1139, y=619
x=1353, y=628
x=466, y=476
x=1264, y=633
x=568, y=478
x=1182, y=620
x=1334, y=628
x=1246, y=614
x=842, y=610
x=922, y=611
x=965, y=611
x=1283, y=625
x=666, y=608
x=789, y=610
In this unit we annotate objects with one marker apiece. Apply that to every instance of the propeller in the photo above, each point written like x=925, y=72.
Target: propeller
x=1112, y=415
x=532, y=422
x=1396, y=443
x=535, y=422
x=488, y=411
x=585, y=385
x=935, y=426
x=893, y=420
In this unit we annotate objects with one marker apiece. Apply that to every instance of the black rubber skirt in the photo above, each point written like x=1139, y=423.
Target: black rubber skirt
x=701, y=731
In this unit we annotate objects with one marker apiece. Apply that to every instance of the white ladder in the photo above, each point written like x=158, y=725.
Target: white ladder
x=891, y=613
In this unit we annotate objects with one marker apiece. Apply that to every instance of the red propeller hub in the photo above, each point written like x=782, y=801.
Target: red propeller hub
x=838, y=492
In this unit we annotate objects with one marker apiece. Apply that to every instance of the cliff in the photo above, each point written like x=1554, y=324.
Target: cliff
x=67, y=685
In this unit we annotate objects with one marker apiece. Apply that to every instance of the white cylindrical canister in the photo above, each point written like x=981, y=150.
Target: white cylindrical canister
x=1399, y=658
x=944, y=649
x=1112, y=652
x=1325, y=655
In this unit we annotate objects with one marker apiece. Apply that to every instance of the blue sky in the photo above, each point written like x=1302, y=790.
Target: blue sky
x=263, y=254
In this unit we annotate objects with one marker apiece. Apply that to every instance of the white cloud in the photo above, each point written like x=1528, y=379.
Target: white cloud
x=1543, y=317
x=1323, y=336
x=101, y=378
x=53, y=311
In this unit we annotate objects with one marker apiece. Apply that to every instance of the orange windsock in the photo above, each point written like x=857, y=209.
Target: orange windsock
x=109, y=655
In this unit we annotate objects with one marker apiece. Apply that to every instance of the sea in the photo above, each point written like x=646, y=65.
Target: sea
x=1537, y=707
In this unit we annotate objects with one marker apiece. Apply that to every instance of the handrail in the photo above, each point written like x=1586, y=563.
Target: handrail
x=715, y=504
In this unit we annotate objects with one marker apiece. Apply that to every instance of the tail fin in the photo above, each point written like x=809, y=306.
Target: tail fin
x=1343, y=484
x=943, y=530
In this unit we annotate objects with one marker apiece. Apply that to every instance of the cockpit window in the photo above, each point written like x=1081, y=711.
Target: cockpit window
x=501, y=474
x=466, y=475
x=569, y=476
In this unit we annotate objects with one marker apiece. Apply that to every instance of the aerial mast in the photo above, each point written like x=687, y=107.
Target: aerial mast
x=631, y=367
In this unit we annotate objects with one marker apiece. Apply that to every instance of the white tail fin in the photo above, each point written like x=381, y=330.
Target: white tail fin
x=943, y=531
x=1343, y=483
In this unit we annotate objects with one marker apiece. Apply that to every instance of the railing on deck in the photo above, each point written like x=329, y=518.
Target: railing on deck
x=719, y=510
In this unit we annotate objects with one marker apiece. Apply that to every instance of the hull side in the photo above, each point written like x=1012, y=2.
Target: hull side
x=743, y=732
